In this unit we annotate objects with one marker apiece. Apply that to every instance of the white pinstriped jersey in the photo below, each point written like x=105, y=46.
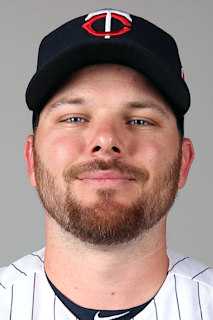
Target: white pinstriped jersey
x=186, y=294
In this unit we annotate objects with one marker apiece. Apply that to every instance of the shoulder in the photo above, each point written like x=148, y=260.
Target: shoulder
x=24, y=288
x=190, y=270
x=21, y=269
x=187, y=292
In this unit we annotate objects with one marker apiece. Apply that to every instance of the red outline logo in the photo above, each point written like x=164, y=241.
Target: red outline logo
x=123, y=17
x=182, y=74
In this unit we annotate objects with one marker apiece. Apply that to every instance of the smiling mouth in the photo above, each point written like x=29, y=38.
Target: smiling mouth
x=106, y=179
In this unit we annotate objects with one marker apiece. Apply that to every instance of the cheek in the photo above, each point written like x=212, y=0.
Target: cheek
x=59, y=150
x=154, y=152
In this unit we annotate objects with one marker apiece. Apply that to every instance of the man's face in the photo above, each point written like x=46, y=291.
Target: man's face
x=107, y=155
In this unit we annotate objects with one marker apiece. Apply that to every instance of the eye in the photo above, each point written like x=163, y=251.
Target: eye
x=137, y=122
x=74, y=120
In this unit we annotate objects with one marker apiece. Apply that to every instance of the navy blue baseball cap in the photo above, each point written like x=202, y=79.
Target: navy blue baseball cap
x=108, y=36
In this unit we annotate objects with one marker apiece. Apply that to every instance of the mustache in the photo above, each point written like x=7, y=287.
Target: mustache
x=75, y=171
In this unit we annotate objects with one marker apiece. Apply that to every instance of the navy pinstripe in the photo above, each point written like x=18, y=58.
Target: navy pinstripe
x=2, y=286
x=33, y=295
x=36, y=255
x=19, y=270
x=54, y=306
x=156, y=311
x=177, y=297
x=177, y=263
x=198, y=292
x=201, y=272
x=11, y=305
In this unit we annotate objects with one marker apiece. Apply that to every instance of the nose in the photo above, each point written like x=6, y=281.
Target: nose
x=106, y=140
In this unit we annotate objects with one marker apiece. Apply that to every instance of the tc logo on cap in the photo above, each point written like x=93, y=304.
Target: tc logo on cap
x=108, y=14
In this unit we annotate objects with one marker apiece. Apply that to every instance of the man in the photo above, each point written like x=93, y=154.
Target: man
x=107, y=158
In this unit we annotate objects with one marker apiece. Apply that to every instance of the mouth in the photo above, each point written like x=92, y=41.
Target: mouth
x=106, y=179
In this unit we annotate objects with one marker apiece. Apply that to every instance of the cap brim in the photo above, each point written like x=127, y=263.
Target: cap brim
x=46, y=81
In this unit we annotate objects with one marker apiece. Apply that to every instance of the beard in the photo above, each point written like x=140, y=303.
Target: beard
x=107, y=222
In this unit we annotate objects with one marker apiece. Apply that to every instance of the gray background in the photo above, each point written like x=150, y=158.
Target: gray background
x=22, y=25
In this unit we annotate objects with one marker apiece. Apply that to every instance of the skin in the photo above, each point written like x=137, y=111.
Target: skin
x=105, y=98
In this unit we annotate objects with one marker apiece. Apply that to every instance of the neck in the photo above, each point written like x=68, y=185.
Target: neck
x=117, y=277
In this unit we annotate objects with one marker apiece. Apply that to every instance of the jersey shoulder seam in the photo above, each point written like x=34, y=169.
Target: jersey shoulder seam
x=21, y=269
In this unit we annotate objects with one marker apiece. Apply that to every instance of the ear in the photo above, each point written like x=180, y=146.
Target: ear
x=186, y=161
x=28, y=154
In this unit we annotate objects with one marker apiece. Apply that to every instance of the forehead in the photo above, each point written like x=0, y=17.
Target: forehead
x=110, y=82
x=104, y=72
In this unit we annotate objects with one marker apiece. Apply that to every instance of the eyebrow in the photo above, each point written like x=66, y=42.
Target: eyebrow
x=148, y=105
x=61, y=102
x=129, y=105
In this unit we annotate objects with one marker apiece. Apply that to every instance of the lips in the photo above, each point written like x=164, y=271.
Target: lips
x=105, y=178
x=105, y=175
